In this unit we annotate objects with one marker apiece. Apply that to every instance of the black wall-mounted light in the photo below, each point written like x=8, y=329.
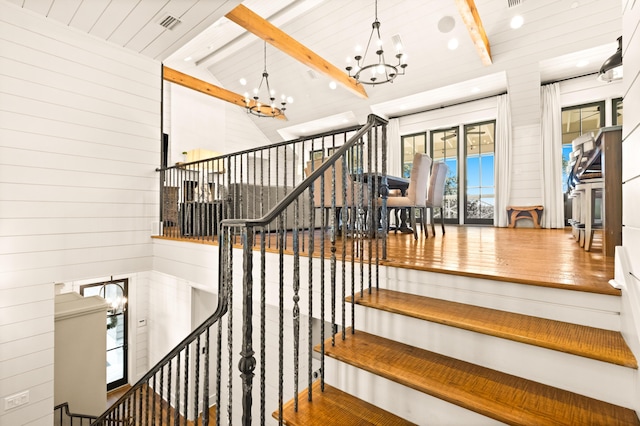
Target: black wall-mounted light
x=611, y=69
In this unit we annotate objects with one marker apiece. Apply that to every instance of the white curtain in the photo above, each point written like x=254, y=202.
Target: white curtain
x=393, y=148
x=551, y=138
x=503, y=160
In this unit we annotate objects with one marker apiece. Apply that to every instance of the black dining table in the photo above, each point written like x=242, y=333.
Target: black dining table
x=393, y=182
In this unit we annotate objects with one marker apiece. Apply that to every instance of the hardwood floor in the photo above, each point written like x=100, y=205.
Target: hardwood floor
x=546, y=257
x=543, y=257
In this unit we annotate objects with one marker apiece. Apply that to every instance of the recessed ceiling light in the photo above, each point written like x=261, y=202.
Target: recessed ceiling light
x=332, y=85
x=453, y=44
x=446, y=24
x=188, y=58
x=516, y=22
x=583, y=63
x=243, y=81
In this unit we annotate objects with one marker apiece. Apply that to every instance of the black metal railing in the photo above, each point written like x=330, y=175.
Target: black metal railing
x=299, y=260
x=196, y=196
x=63, y=417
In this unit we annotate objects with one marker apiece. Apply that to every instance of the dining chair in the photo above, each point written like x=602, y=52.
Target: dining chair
x=415, y=197
x=331, y=186
x=435, y=193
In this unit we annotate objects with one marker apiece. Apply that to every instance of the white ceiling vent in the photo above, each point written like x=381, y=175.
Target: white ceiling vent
x=170, y=22
x=514, y=3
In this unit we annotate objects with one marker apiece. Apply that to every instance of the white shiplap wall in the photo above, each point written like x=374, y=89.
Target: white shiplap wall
x=631, y=176
x=79, y=142
x=631, y=133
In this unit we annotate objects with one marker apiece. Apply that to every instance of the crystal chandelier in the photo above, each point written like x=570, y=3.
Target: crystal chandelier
x=265, y=109
x=379, y=72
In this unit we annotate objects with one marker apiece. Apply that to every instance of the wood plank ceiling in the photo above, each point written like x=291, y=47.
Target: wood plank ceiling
x=214, y=49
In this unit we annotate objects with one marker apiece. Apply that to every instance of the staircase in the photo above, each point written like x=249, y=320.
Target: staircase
x=436, y=361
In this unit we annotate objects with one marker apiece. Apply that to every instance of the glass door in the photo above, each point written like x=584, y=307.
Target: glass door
x=444, y=147
x=479, y=192
x=115, y=293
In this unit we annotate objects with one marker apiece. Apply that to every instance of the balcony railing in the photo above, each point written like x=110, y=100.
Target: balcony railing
x=286, y=266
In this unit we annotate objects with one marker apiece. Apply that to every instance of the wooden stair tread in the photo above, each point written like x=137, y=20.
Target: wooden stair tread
x=335, y=407
x=603, y=345
x=498, y=395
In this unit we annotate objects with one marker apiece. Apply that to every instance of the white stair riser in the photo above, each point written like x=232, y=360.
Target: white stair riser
x=594, y=310
x=604, y=381
x=401, y=400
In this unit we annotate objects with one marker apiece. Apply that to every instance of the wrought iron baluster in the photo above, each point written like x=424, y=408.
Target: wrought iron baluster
x=323, y=219
x=176, y=409
x=196, y=391
x=185, y=404
x=280, y=318
x=311, y=245
x=229, y=272
x=296, y=306
x=205, y=390
x=169, y=405
x=333, y=254
x=248, y=361
x=153, y=402
x=263, y=321
x=347, y=204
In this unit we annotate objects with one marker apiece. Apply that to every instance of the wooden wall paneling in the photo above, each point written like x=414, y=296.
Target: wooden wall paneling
x=588, y=89
x=95, y=148
x=18, y=191
x=631, y=203
x=81, y=63
x=78, y=116
x=18, y=121
x=197, y=12
x=66, y=94
x=67, y=80
x=114, y=115
x=117, y=12
x=21, y=157
x=20, y=243
x=22, y=174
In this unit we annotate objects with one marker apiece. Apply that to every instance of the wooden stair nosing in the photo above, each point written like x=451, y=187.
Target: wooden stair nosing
x=599, y=344
x=335, y=407
x=492, y=393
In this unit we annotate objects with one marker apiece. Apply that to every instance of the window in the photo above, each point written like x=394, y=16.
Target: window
x=577, y=120
x=479, y=162
x=409, y=146
x=444, y=147
x=617, y=112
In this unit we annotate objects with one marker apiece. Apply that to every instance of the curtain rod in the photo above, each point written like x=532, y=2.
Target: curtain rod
x=447, y=106
x=568, y=78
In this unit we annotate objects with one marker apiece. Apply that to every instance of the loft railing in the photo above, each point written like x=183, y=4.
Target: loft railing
x=294, y=266
x=196, y=196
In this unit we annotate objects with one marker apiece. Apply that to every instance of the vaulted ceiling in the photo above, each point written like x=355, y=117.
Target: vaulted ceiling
x=556, y=35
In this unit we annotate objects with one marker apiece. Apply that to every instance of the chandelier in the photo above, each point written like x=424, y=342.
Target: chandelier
x=378, y=72
x=265, y=109
x=115, y=296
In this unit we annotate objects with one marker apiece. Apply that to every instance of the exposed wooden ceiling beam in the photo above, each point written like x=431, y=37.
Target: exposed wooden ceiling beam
x=471, y=18
x=202, y=86
x=262, y=28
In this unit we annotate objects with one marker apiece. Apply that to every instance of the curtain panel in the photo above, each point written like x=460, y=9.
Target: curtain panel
x=503, y=161
x=551, y=161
